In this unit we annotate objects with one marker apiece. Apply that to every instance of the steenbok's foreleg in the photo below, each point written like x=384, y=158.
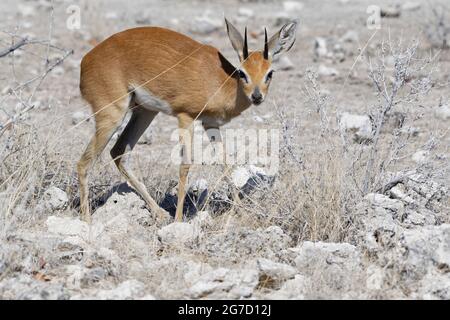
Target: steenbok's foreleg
x=186, y=127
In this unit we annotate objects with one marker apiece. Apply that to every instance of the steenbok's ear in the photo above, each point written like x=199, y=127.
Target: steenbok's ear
x=239, y=44
x=282, y=41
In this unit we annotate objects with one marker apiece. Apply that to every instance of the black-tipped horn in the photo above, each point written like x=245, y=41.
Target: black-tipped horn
x=245, y=49
x=266, y=45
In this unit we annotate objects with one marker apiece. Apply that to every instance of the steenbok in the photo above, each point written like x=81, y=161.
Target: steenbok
x=150, y=70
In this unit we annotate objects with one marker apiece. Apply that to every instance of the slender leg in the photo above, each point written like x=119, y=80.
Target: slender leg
x=137, y=125
x=107, y=123
x=186, y=127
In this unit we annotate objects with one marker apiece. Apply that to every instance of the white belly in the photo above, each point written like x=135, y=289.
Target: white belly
x=149, y=101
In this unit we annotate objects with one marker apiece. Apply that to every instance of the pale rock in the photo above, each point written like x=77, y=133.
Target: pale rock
x=399, y=192
x=290, y=6
x=421, y=156
x=111, y=15
x=434, y=286
x=178, y=234
x=443, y=112
x=225, y=283
x=67, y=226
x=320, y=47
x=24, y=287
x=336, y=256
x=202, y=219
x=80, y=116
x=275, y=270
x=292, y=289
x=325, y=71
x=329, y=266
x=284, y=64
x=198, y=186
x=411, y=5
x=246, y=12
x=79, y=276
x=359, y=125
x=258, y=119
x=375, y=277
x=127, y=290
x=426, y=249
x=381, y=201
x=241, y=176
x=55, y=199
x=350, y=36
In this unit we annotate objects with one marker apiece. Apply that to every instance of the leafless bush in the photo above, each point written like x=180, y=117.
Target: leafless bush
x=22, y=89
x=401, y=84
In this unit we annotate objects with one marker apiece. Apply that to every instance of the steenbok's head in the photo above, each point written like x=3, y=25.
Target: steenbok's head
x=255, y=71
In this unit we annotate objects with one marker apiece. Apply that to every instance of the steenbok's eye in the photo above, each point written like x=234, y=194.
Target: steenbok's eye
x=243, y=76
x=269, y=76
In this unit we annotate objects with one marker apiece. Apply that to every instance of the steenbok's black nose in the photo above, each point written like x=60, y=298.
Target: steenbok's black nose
x=257, y=97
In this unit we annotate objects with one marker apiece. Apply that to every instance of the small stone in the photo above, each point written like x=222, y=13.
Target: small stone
x=375, y=277
x=275, y=270
x=411, y=6
x=337, y=255
x=67, y=226
x=127, y=290
x=111, y=15
x=177, y=234
x=350, y=36
x=359, y=125
x=320, y=47
x=421, y=156
x=443, y=112
x=244, y=176
x=284, y=63
x=290, y=6
x=225, y=283
x=258, y=119
x=55, y=198
x=79, y=117
x=325, y=71
x=245, y=12
x=198, y=186
x=291, y=289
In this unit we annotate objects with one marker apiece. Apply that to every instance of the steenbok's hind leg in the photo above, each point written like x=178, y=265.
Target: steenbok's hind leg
x=106, y=123
x=139, y=121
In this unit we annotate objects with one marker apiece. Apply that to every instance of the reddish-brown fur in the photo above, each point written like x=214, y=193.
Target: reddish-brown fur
x=193, y=79
x=203, y=80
